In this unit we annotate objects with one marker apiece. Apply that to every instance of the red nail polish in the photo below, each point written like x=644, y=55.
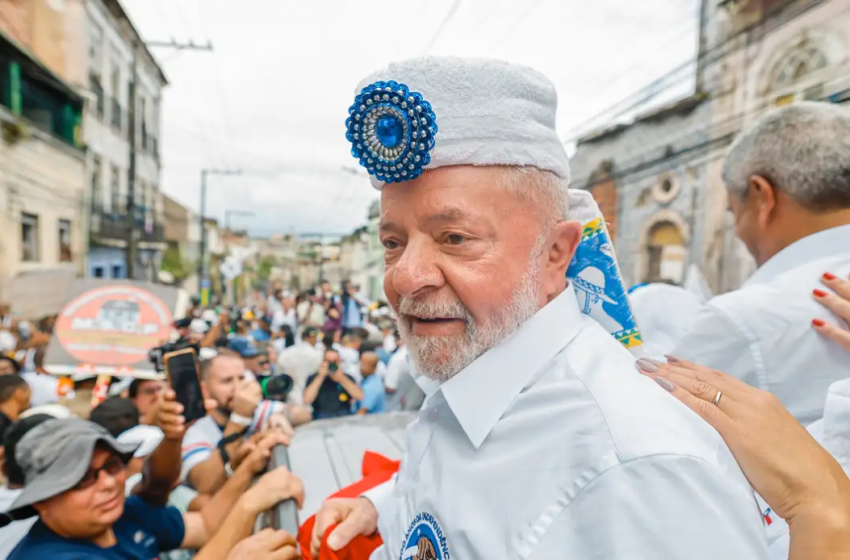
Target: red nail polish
x=818, y=322
x=828, y=276
x=819, y=293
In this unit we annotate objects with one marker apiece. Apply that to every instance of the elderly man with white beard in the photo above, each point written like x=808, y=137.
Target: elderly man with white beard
x=538, y=438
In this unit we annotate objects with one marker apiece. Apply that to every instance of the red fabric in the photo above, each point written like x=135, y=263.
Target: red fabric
x=376, y=469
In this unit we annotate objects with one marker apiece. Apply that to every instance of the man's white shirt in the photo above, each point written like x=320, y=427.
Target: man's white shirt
x=299, y=362
x=762, y=333
x=551, y=445
x=202, y=437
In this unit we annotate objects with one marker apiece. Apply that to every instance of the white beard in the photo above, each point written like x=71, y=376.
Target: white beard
x=441, y=357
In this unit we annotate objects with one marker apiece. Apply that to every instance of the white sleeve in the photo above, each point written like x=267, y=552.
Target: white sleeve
x=381, y=497
x=654, y=508
x=716, y=341
x=197, y=448
x=261, y=415
x=394, y=368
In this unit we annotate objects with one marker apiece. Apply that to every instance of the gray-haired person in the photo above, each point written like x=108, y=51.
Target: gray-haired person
x=788, y=181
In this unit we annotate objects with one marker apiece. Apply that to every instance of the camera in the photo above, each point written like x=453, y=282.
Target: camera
x=155, y=354
x=276, y=387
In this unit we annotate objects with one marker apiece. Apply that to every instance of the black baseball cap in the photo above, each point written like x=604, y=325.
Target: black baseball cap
x=116, y=414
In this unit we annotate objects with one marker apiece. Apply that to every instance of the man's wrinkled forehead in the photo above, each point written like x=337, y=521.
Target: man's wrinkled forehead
x=428, y=218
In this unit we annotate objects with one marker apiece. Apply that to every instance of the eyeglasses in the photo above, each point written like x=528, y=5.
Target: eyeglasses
x=113, y=466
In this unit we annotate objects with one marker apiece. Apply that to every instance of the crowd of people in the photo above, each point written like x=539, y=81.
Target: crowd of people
x=538, y=435
x=339, y=355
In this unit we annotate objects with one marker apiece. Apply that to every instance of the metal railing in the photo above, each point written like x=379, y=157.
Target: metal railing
x=285, y=514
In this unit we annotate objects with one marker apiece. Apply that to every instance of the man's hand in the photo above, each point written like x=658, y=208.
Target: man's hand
x=323, y=370
x=260, y=451
x=268, y=544
x=248, y=396
x=167, y=415
x=272, y=488
x=279, y=422
x=355, y=517
x=338, y=375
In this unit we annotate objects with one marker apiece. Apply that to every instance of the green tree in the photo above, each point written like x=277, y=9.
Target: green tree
x=173, y=263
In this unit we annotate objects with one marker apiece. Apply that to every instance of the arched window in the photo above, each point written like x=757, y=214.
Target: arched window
x=798, y=64
x=665, y=253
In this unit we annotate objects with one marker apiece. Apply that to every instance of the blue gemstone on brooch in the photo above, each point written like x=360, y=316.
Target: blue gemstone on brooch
x=391, y=130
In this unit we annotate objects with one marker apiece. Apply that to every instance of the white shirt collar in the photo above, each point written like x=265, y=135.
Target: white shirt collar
x=481, y=393
x=822, y=244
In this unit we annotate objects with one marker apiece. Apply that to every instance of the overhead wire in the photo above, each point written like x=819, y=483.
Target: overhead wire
x=719, y=133
x=446, y=20
x=679, y=74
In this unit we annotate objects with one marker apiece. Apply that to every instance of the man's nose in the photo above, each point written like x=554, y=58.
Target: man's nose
x=417, y=270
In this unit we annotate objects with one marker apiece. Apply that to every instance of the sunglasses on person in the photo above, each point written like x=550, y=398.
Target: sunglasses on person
x=113, y=466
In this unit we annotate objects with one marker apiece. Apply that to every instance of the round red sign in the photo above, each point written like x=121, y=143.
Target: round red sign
x=113, y=325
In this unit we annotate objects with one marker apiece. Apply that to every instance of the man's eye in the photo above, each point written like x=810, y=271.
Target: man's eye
x=390, y=244
x=455, y=239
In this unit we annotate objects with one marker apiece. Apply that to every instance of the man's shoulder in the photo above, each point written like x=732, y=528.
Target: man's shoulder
x=204, y=430
x=630, y=412
x=771, y=295
x=137, y=512
x=43, y=543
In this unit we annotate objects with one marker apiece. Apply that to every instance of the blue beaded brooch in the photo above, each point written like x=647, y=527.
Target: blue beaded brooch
x=391, y=130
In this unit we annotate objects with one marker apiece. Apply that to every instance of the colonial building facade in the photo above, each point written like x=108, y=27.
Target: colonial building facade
x=658, y=179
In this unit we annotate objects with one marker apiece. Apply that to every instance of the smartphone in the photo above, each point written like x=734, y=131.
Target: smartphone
x=181, y=367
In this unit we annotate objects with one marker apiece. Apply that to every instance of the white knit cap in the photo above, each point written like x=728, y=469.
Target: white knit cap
x=487, y=112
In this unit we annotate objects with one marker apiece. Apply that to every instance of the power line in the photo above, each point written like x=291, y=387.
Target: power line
x=446, y=19
x=726, y=128
x=707, y=56
x=531, y=5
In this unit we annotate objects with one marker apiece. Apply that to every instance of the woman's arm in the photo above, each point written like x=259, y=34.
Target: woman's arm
x=799, y=479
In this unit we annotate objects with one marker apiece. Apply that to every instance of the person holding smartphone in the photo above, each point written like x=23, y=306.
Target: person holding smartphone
x=330, y=391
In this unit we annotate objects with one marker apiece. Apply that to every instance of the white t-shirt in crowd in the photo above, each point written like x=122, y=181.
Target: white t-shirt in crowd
x=390, y=344
x=350, y=359
x=396, y=366
x=299, y=362
x=11, y=534
x=282, y=317
x=45, y=388
x=202, y=438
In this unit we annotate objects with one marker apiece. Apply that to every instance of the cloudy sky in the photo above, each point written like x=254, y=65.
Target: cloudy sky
x=273, y=95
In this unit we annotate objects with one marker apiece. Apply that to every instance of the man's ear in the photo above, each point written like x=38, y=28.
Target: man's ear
x=762, y=195
x=563, y=242
x=40, y=507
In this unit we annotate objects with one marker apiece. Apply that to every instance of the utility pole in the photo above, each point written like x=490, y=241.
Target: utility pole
x=203, y=265
x=137, y=46
x=131, y=169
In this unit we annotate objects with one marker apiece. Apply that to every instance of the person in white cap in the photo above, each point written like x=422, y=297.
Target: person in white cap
x=538, y=438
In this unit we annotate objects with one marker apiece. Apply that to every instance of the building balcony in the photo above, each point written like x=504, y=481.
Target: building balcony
x=110, y=229
x=39, y=98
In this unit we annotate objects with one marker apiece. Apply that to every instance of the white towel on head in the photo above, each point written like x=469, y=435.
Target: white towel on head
x=488, y=112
